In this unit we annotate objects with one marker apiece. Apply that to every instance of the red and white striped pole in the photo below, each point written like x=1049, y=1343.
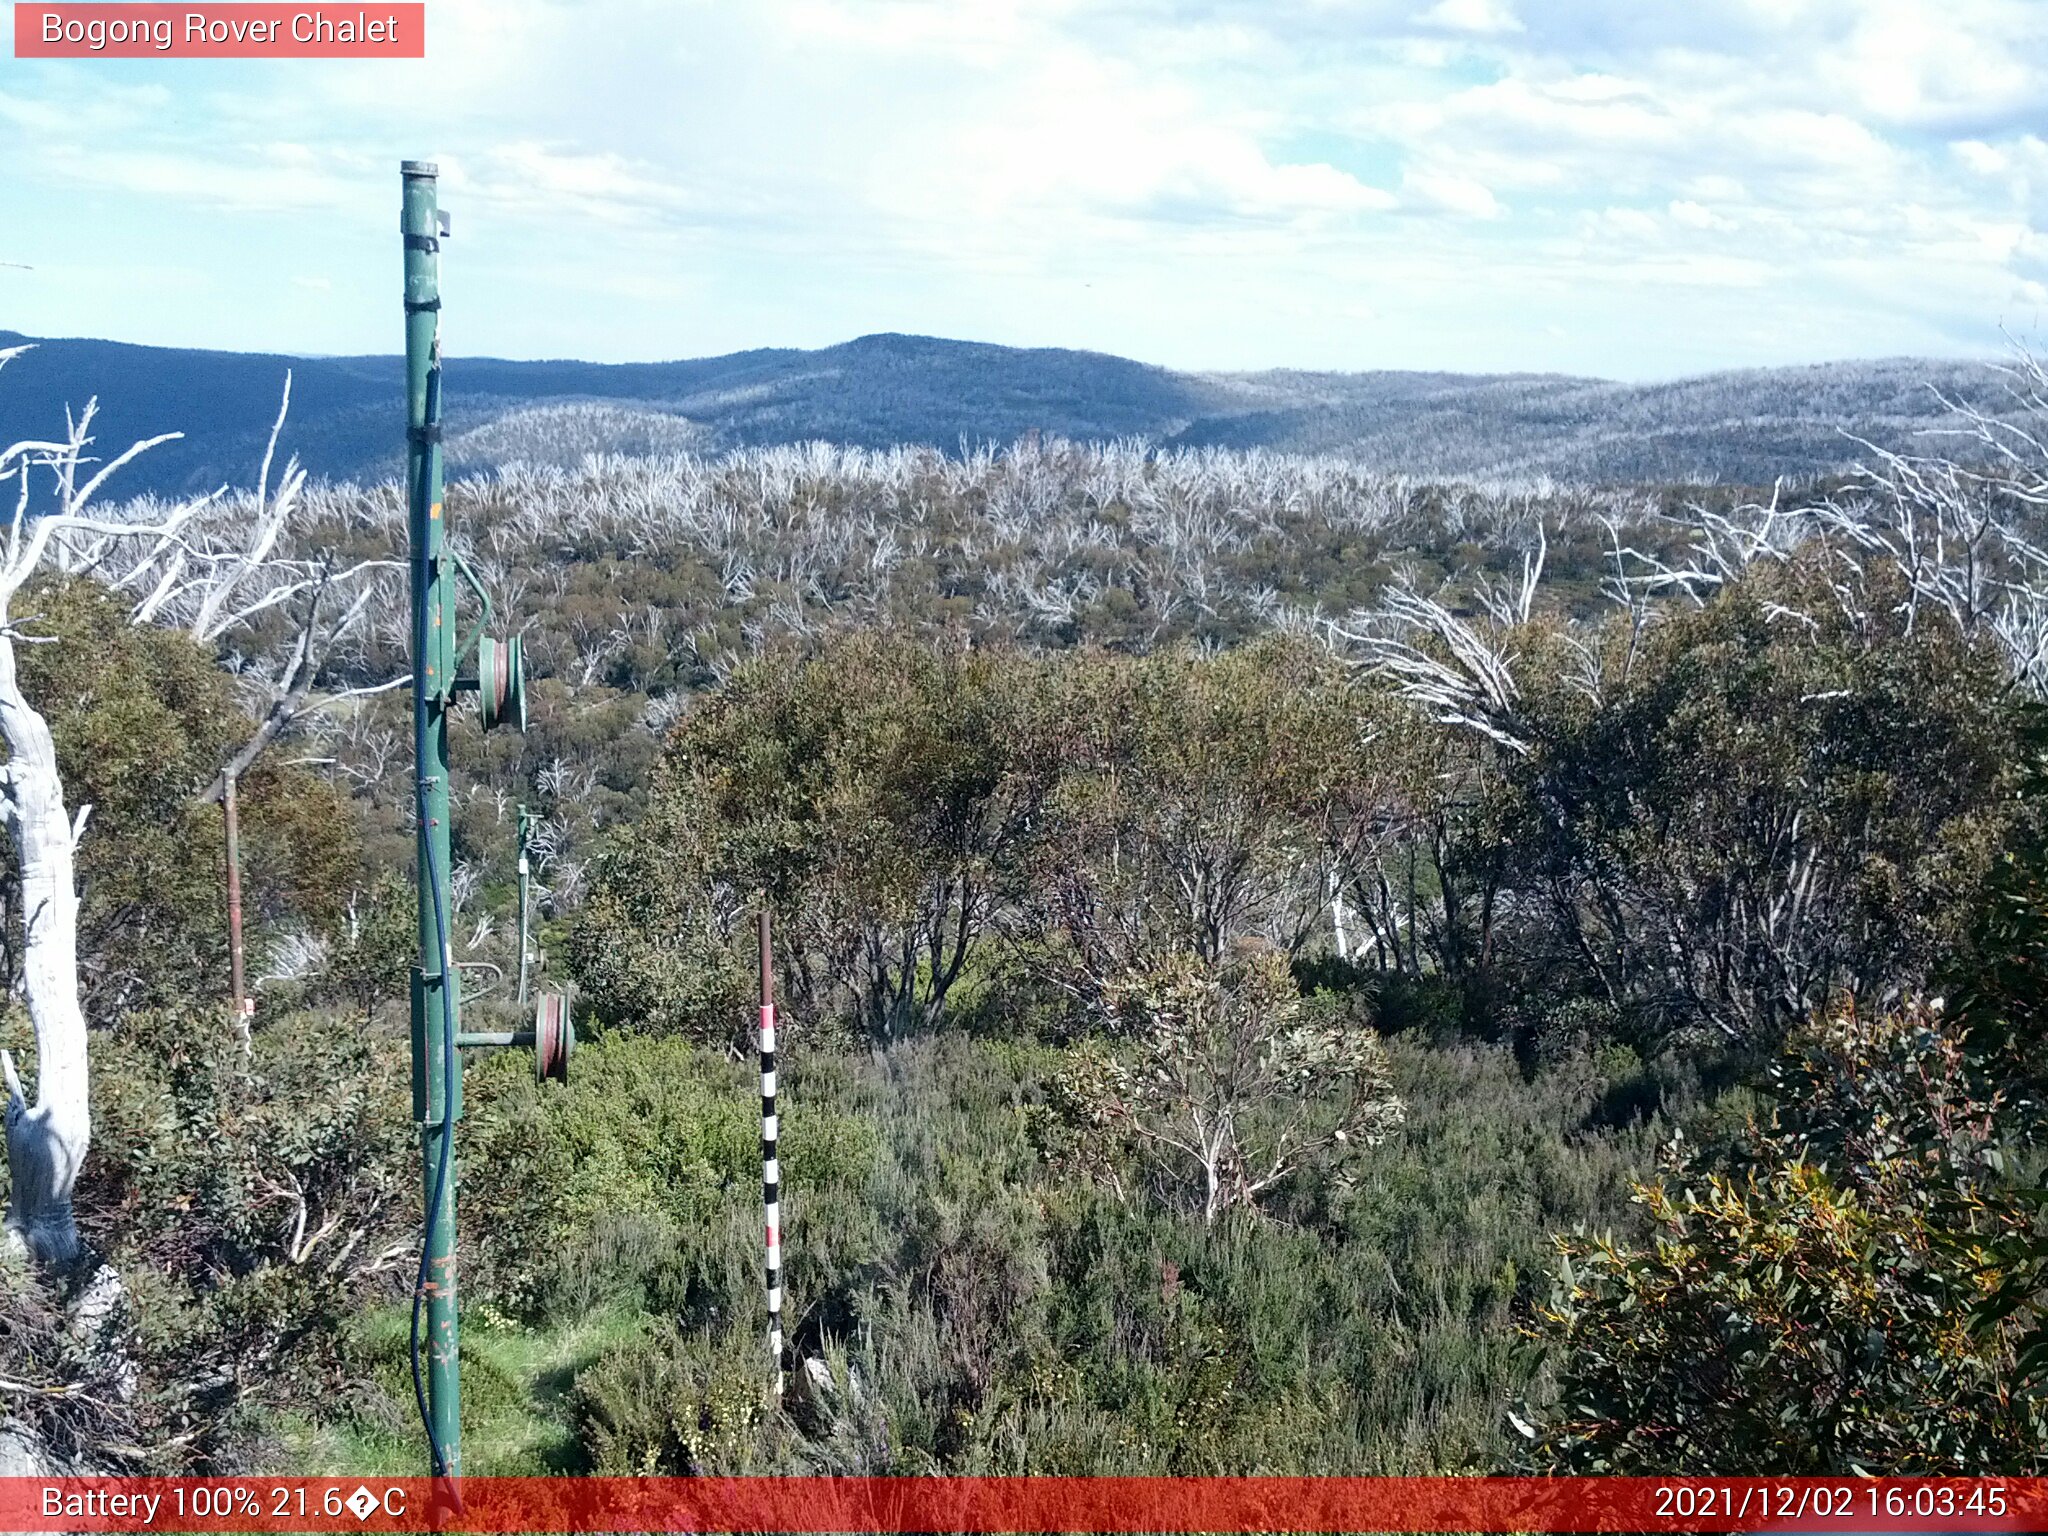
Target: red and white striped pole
x=771, y=1170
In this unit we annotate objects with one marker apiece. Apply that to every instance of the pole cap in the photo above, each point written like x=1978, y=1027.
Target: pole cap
x=418, y=168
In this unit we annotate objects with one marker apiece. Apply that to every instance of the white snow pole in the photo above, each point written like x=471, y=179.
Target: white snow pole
x=771, y=1170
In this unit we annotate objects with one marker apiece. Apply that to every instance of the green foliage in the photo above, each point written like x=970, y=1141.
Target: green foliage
x=1996, y=989
x=656, y=945
x=671, y=1406
x=1194, y=803
x=143, y=719
x=1230, y=1083
x=1750, y=816
x=249, y=1201
x=1803, y=1307
x=371, y=959
x=584, y=1187
x=1998, y=982
x=897, y=802
x=868, y=794
x=969, y=1308
x=1764, y=811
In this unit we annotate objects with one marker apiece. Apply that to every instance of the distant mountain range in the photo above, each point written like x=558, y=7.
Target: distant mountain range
x=1744, y=427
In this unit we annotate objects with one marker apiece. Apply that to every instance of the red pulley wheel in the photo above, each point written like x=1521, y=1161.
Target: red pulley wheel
x=554, y=1037
x=501, y=682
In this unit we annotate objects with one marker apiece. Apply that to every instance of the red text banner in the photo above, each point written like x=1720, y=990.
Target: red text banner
x=1026, y=1504
x=220, y=31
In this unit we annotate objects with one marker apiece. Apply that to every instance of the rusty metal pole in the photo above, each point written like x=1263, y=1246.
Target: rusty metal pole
x=245, y=1006
x=771, y=1170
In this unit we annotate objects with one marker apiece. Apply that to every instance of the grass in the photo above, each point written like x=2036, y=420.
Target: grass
x=515, y=1382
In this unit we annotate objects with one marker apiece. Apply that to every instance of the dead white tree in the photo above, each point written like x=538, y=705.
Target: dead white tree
x=1951, y=535
x=210, y=565
x=1456, y=666
x=1222, y=1064
x=47, y=1141
x=230, y=569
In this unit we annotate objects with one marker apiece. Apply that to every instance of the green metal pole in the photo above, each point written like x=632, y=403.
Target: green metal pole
x=436, y=1064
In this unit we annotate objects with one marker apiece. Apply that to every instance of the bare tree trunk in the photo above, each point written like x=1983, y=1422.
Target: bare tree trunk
x=46, y=1144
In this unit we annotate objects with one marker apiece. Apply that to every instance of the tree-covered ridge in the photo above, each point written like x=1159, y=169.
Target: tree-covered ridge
x=879, y=392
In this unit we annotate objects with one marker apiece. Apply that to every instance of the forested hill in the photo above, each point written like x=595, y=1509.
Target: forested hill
x=1745, y=427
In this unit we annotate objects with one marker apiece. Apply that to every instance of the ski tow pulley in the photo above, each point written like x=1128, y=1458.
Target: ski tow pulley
x=501, y=682
x=554, y=1037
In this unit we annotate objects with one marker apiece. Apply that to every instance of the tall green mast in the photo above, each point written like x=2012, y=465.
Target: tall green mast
x=436, y=987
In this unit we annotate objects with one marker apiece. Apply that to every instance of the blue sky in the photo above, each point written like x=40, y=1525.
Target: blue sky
x=1634, y=188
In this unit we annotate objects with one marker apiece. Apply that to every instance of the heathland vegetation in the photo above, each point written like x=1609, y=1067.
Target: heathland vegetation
x=1283, y=971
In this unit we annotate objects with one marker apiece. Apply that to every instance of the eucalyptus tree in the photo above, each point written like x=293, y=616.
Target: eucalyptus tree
x=871, y=794
x=259, y=575
x=1770, y=772
x=47, y=1141
x=1227, y=1083
x=1196, y=802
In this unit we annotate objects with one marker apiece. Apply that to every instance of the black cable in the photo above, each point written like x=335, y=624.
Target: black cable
x=437, y=1454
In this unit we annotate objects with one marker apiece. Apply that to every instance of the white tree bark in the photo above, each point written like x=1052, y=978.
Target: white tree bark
x=46, y=1144
x=47, y=1140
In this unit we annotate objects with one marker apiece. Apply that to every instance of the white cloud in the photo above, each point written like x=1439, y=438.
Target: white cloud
x=1715, y=188
x=1625, y=223
x=1984, y=159
x=1187, y=180
x=246, y=179
x=555, y=182
x=1485, y=16
x=1452, y=194
x=1904, y=61
x=1695, y=271
x=1536, y=116
x=1692, y=215
x=1074, y=136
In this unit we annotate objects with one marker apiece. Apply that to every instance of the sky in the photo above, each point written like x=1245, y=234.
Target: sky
x=1637, y=189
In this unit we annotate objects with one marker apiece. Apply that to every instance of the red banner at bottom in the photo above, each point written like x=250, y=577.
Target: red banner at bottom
x=1026, y=1504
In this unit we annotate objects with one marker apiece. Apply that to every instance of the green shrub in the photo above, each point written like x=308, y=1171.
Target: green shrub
x=143, y=719
x=1802, y=1306
x=871, y=794
x=1760, y=813
x=650, y=1137
x=1228, y=1084
x=251, y=1202
x=674, y=1405
x=975, y=1311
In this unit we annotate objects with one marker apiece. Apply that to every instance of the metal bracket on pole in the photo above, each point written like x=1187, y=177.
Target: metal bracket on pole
x=483, y=618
